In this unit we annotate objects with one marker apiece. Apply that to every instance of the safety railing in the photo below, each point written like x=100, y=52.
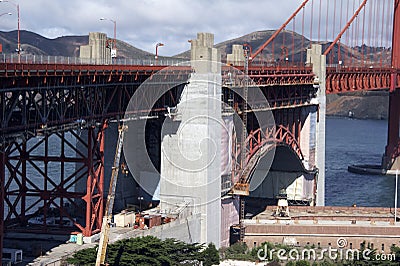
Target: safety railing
x=47, y=59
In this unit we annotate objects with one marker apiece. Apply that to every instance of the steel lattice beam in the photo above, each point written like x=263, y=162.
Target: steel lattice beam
x=45, y=191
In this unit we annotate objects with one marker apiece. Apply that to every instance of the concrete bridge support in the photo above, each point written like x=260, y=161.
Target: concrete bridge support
x=191, y=146
x=318, y=62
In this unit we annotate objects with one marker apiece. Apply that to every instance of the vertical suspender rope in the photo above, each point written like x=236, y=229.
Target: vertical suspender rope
x=362, y=39
x=382, y=32
x=293, y=32
x=302, y=37
x=348, y=34
x=278, y=31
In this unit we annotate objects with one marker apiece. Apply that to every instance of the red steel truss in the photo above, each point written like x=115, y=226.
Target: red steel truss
x=259, y=142
x=64, y=184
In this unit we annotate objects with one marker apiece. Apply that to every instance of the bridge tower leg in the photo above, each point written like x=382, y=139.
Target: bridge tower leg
x=391, y=159
x=95, y=181
x=318, y=61
x=190, y=171
x=392, y=152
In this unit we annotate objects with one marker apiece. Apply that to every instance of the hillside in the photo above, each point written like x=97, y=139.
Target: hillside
x=256, y=39
x=362, y=105
x=287, y=39
x=32, y=43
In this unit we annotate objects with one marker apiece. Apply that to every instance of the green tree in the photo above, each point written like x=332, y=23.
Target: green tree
x=147, y=250
x=84, y=257
x=211, y=255
x=302, y=263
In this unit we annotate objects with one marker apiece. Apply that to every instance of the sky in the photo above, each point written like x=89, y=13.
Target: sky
x=144, y=23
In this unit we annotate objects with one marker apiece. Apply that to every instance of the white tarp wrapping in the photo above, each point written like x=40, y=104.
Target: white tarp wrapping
x=226, y=145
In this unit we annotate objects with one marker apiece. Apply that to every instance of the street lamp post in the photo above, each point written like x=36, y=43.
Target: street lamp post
x=19, y=42
x=249, y=53
x=114, y=43
x=157, y=45
x=140, y=204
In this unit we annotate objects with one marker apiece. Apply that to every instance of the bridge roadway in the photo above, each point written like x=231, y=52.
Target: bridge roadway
x=34, y=95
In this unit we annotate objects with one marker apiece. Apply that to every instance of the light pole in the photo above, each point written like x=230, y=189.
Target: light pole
x=157, y=45
x=19, y=43
x=140, y=204
x=114, y=45
x=248, y=47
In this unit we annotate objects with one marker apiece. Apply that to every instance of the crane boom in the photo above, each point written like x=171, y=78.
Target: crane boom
x=105, y=227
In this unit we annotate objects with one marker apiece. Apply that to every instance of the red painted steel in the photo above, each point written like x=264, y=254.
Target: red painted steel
x=396, y=36
x=48, y=196
x=95, y=182
x=259, y=140
x=392, y=148
x=340, y=80
x=345, y=27
x=259, y=50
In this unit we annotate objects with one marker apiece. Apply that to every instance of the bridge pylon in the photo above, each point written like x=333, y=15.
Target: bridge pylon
x=391, y=158
x=318, y=62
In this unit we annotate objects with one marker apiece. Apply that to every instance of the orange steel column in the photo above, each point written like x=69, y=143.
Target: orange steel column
x=394, y=96
x=89, y=185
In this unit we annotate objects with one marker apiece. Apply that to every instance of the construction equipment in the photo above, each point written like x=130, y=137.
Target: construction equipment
x=105, y=227
x=241, y=188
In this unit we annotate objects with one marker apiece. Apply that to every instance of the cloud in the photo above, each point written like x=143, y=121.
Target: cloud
x=143, y=23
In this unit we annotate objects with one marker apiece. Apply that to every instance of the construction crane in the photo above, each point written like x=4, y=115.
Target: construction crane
x=105, y=227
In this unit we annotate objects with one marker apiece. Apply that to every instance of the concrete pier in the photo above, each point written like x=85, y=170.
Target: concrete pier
x=190, y=149
x=318, y=61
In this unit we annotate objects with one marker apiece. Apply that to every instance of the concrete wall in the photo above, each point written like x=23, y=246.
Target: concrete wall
x=96, y=51
x=187, y=230
x=236, y=58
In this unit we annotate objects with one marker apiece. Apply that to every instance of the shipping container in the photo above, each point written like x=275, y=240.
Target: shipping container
x=124, y=219
x=152, y=220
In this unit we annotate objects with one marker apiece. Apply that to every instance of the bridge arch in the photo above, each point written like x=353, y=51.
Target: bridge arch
x=261, y=142
x=273, y=153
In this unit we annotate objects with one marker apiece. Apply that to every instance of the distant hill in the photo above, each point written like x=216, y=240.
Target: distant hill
x=32, y=43
x=289, y=39
x=256, y=39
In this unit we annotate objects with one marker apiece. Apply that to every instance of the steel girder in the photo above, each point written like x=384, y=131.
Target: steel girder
x=348, y=80
x=56, y=177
